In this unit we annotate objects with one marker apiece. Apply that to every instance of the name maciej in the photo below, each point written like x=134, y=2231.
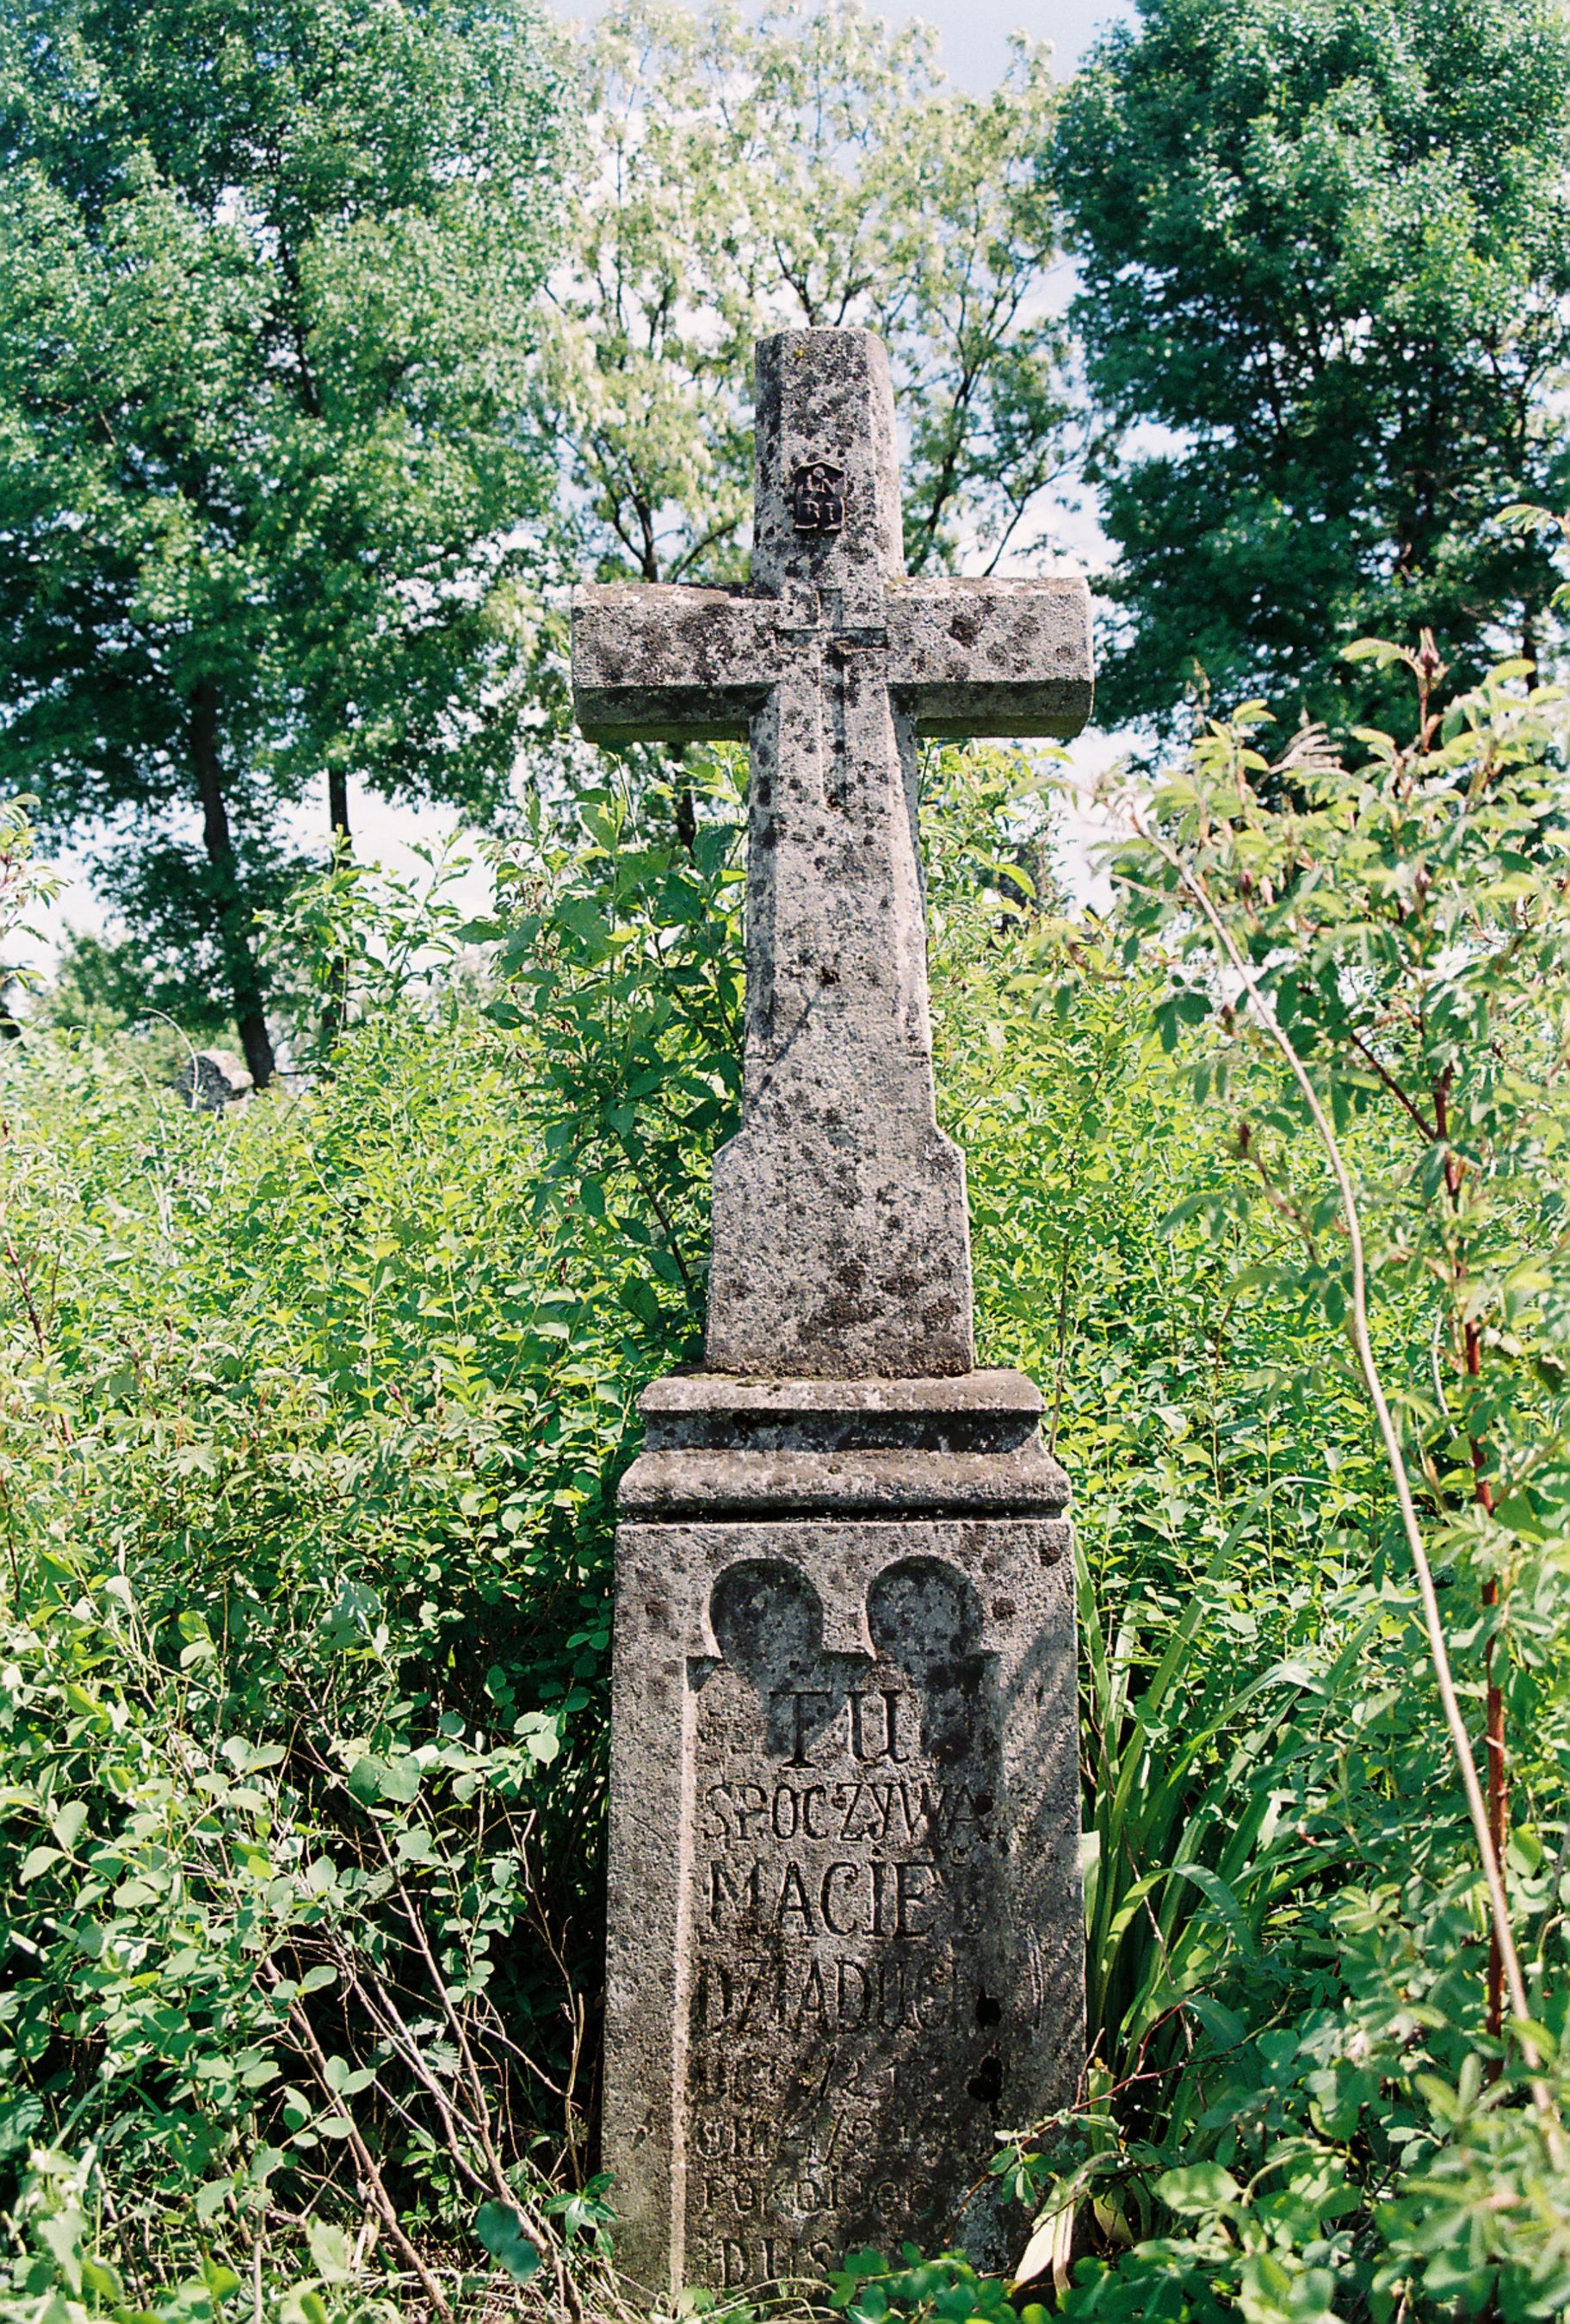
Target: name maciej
x=852, y=1896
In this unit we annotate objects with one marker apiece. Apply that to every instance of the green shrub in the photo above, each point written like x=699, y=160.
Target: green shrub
x=314, y=1413
x=310, y=1421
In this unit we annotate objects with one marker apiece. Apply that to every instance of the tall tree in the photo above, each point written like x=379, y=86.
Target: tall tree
x=1325, y=253
x=810, y=168
x=267, y=273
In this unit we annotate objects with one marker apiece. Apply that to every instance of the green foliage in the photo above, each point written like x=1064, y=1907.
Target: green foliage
x=1344, y=2160
x=1406, y=925
x=1284, y=1910
x=1314, y=264
x=23, y=883
x=312, y=1419
x=354, y=940
x=621, y=954
x=867, y=2289
x=500, y=2228
x=58, y=2276
x=266, y=277
x=312, y=1416
x=1304, y=2102
x=811, y=168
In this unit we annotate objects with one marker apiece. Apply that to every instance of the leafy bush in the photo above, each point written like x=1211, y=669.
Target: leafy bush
x=312, y=1418
x=1357, y=2114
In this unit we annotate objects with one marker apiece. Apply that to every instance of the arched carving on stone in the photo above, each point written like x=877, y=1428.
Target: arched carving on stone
x=766, y=1619
x=925, y=1615
x=926, y=1619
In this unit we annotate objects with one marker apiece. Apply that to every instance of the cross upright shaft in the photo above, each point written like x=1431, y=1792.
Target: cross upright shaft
x=841, y=1246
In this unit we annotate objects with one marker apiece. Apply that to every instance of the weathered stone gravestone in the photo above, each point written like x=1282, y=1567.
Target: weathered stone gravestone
x=212, y=1079
x=846, y=1943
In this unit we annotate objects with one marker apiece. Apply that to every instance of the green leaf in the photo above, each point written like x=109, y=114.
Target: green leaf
x=500, y=2230
x=1199, y=2187
x=1379, y=650
x=401, y=1780
x=366, y=1777
x=331, y=2253
x=66, y=1825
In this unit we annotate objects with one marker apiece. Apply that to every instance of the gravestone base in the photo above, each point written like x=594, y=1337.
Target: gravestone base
x=847, y=1936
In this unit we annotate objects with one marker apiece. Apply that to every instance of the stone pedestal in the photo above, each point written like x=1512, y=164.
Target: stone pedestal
x=845, y=1934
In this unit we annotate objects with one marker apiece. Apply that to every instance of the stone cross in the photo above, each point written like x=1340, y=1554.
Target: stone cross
x=845, y=1940
x=840, y=1241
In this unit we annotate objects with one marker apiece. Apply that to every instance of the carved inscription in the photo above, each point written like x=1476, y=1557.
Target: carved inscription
x=845, y=1906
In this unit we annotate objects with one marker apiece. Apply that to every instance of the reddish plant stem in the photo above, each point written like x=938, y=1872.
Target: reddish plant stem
x=1433, y=1620
x=1493, y=1715
x=1496, y=1774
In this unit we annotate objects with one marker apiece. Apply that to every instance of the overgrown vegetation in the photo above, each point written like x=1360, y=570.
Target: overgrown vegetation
x=312, y=1419
x=313, y=1412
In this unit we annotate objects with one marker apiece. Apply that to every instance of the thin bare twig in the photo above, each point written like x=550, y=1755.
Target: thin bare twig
x=370, y=2176
x=548, y=2242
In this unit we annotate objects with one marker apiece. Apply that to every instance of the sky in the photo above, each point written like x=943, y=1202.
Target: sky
x=974, y=33
x=973, y=51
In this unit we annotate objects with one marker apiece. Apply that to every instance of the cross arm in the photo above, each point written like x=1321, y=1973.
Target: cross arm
x=658, y=662
x=993, y=657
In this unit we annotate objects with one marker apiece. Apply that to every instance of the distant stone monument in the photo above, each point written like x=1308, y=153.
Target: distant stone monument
x=211, y=1080
x=845, y=1938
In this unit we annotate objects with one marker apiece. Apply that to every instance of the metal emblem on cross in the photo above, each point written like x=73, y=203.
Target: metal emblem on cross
x=817, y=497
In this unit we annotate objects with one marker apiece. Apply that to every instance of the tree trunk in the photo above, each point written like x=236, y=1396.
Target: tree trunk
x=335, y=1021
x=682, y=797
x=339, y=809
x=239, y=959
